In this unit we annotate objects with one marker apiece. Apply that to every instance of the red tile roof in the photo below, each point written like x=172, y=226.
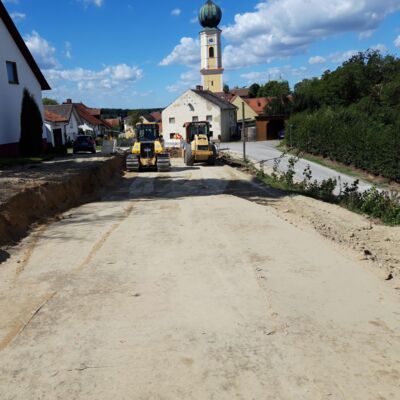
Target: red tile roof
x=53, y=117
x=114, y=122
x=84, y=113
x=258, y=104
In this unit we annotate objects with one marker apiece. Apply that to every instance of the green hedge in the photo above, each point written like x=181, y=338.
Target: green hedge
x=351, y=136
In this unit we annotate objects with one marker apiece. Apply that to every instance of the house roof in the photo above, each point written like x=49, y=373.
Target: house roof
x=258, y=104
x=215, y=99
x=242, y=92
x=112, y=121
x=148, y=117
x=157, y=116
x=12, y=29
x=84, y=113
x=52, y=117
x=63, y=111
x=93, y=111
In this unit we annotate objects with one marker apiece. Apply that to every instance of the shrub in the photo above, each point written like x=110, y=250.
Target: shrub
x=31, y=140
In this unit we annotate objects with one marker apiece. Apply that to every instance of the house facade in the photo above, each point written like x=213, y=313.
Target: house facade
x=63, y=117
x=18, y=70
x=200, y=105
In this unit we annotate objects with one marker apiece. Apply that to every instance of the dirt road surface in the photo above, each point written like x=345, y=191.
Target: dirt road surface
x=190, y=285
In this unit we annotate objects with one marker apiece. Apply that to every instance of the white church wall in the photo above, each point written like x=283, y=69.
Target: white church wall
x=184, y=109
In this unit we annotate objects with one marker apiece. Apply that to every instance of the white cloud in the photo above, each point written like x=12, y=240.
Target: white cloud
x=114, y=74
x=194, y=20
x=108, y=86
x=316, y=60
x=176, y=12
x=380, y=47
x=186, y=81
x=18, y=16
x=187, y=52
x=276, y=74
x=42, y=50
x=342, y=56
x=281, y=28
x=97, y=3
x=397, y=42
x=68, y=50
x=366, y=34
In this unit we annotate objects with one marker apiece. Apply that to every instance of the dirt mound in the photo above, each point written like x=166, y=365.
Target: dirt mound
x=35, y=203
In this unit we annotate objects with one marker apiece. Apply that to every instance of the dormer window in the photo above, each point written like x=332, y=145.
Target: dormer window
x=12, y=72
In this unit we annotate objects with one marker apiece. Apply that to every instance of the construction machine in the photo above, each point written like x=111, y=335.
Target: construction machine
x=148, y=151
x=198, y=146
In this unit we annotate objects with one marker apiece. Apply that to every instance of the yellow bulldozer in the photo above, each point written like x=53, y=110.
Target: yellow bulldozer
x=148, y=151
x=198, y=146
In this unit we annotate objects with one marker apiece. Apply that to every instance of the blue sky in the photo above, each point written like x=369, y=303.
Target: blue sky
x=134, y=54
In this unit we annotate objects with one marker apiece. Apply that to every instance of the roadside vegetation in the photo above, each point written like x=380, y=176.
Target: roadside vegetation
x=350, y=115
x=380, y=205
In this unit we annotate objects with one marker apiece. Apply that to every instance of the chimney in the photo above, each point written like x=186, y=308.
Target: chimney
x=69, y=101
x=200, y=88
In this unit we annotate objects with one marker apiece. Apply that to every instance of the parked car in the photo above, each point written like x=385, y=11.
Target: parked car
x=281, y=134
x=84, y=143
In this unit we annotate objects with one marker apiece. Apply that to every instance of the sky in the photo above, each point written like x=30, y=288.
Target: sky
x=144, y=54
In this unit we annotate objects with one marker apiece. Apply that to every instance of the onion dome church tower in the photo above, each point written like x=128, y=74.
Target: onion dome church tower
x=210, y=16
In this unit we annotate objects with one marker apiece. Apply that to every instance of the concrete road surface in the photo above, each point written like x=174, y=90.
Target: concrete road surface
x=188, y=285
x=260, y=151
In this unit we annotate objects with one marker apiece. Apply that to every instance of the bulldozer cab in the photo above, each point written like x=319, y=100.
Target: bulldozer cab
x=147, y=132
x=197, y=128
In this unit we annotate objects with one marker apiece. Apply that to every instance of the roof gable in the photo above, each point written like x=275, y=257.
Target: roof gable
x=12, y=29
x=258, y=104
x=213, y=98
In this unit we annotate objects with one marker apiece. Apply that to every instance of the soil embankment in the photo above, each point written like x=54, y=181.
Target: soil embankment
x=31, y=194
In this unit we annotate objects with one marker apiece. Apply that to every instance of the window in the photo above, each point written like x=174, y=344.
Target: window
x=12, y=72
x=172, y=120
x=191, y=108
x=209, y=118
x=212, y=83
x=211, y=52
x=195, y=119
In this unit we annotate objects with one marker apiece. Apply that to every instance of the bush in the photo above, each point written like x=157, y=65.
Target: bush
x=352, y=115
x=31, y=142
x=381, y=205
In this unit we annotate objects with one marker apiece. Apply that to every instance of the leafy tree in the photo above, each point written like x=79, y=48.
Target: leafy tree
x=31, y=142
x=352, y=114
x=253, y=90
x=50, y=102
x=134, y=117
x=274, y=89
x=226, y=88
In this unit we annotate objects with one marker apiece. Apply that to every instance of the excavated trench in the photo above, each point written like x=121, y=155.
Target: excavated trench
x=34, y=205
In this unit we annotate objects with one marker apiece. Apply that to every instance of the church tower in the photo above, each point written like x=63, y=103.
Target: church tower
x=210, y=16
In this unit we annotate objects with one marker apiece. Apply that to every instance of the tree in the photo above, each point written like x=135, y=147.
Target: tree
x=226, y=88
x=31, y=141
x=274, y=89
x=253, y=90
x=49, y=102
x=134, y=117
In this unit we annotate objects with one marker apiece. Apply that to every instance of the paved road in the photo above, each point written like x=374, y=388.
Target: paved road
x=260, y=151
x=189, y=285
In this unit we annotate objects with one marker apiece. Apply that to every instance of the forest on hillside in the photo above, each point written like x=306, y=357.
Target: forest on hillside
x=350, y=115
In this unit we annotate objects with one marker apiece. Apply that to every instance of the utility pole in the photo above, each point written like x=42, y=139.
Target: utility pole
x=244, y=132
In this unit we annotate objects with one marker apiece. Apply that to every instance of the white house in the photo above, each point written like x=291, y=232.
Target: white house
x=200, y=105
x=18, y=70
x=62, y=121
